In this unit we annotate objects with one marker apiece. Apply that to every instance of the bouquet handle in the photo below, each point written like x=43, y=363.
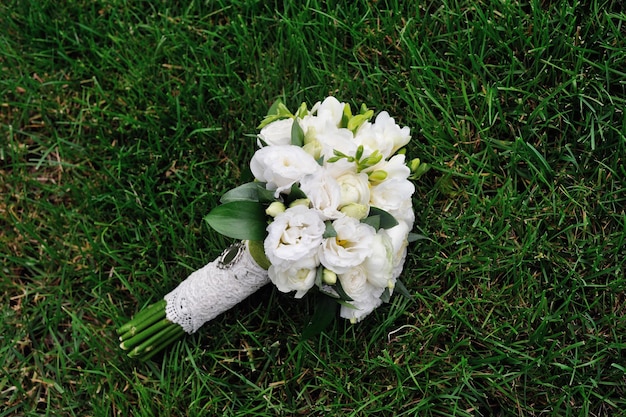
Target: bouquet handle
x=205, y=294
x=215, y=288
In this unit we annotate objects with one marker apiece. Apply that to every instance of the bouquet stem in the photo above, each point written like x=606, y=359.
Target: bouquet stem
x=149, y=332
x=205, y=294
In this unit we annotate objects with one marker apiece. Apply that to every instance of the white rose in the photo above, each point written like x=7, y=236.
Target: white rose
x=294, y=237
x=277, y=133
x=282, y=166
x=365, y=297
x=383, y=135
x=323, y=192
x=293, y=279
x=349, y=248
x=379, y=265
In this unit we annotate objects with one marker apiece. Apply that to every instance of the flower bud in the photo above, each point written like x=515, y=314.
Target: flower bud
x=313, y=147
x=418, y=168
x=414, y=165
x=329, y=277
x=275, y=208
x=378, y=176
x=300, y=202
x=355, y=210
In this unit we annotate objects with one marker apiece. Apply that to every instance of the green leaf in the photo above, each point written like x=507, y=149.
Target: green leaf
x=402, y=290
x=386, y=295
x=251, y=191
x=297, y=134
x=346, y=116
x=342, y=293
x=258, y=254
x=415, y=237
x=274, y=107
x=373, y=221
x=358, y=120
x=387, y=221
x=330, y=230
x=302, y=111
x=318, y=277
x=276, y=112
x=244, y=220
x=325, y=312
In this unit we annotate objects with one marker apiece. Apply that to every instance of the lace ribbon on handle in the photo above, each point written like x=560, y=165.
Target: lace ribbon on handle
x=215, y=288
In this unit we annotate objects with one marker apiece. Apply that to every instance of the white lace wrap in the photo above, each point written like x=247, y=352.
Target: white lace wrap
x=215, y=288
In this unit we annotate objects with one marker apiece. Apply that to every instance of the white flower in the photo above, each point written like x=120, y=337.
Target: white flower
x=322, y=190
x=399, y=242
x=331, y=138
x=277, y=132
x=294, y=237
x=331, y=110
x=355, y=188
x=365, y=297
x=394, y=196
x=383, y=135
x=293, y=279
x=349, y=248
x=395, y=168
x=379, y=265
x=282, y=166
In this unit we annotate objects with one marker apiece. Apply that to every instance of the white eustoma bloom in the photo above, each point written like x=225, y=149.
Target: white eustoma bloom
x=383, y=135
x=349, y=248
x=323, y=192
x=379, y=265
x=295, y=279
x=294, y=237
x=277, y=132
x=394, y=196
x=282, y=166
x=399, y=242
x=365, y=296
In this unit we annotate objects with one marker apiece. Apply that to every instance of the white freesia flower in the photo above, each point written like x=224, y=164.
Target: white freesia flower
x=330, y=110
x=324, y=193
x=282, y=166
x=293, y=279
x=331, y=138
x=349, y=248
x=277, y=132
x=395, y=168
x=294, y=237
x=365, y=296
x=383, y=135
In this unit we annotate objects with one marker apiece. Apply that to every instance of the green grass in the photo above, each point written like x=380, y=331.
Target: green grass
x=121, y=124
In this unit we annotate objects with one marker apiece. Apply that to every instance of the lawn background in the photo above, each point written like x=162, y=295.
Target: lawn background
x=122, y=122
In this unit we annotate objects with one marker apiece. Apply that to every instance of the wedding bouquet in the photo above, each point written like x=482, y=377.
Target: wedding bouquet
x=329, y=211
